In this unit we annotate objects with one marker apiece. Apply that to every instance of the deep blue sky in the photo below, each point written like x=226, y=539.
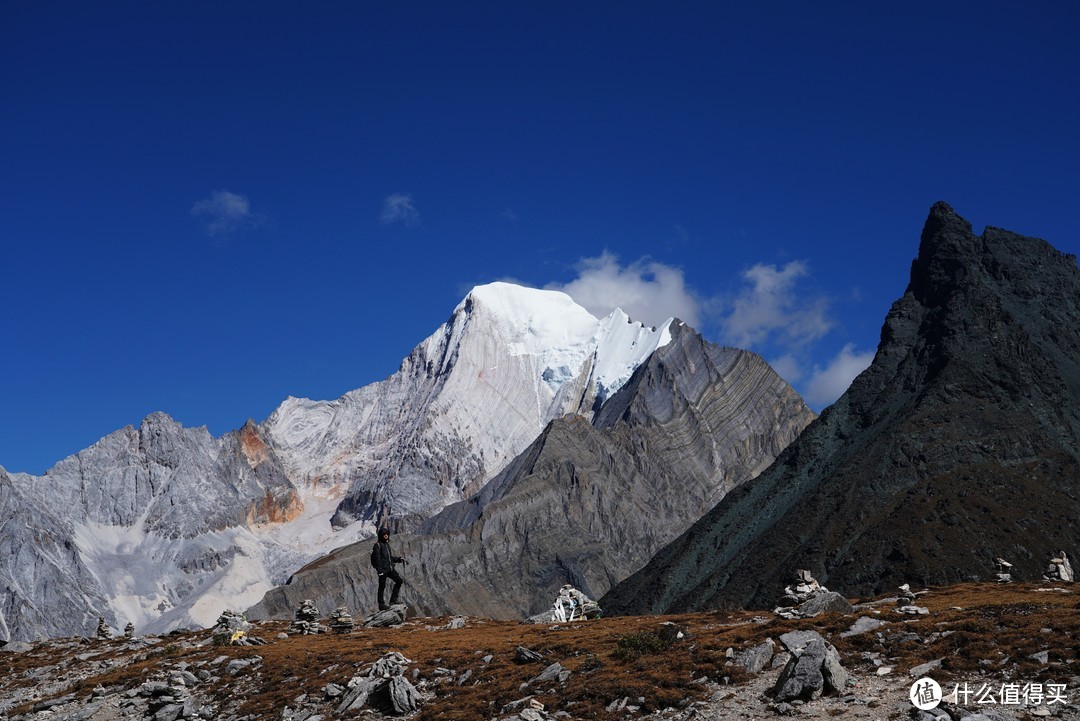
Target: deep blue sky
x=207, y=207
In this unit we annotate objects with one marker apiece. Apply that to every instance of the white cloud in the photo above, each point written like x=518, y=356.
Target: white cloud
x=399, y=207
x=647, y=291
x=769, y=309
x=829, y=383
x=789, y=368
x=225, y=212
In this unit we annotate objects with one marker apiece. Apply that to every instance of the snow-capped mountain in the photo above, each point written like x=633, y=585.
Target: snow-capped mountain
x=466, y=401
x=166, y=526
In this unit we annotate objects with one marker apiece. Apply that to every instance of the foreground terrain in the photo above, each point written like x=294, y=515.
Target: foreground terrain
x=637, y=667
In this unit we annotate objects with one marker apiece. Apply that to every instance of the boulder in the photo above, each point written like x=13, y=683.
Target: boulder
x=393, y=616
x=823, y=603
x=756, y=658
x=814, y=667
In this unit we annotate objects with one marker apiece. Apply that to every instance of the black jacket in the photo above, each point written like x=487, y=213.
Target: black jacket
x=382, y=558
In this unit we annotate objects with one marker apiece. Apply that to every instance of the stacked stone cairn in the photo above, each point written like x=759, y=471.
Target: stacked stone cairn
x=307, y=620
x=812, y=669
x=1059, y=569
x=806, y=597
x=905, y=602
x=129, y=630
x=384, y=688
x=103, y=630
x=232, y=629
x=172, y=700
x=341, y=621
x=1003, y=573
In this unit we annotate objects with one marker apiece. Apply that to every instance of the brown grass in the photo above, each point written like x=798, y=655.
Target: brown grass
x=1000, y=624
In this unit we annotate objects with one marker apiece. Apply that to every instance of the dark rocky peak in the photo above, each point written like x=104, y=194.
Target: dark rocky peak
x=961, y=442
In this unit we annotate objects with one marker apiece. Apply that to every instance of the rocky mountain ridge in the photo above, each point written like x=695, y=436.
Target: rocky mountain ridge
x=165, y=526
x=959, y=444
x=586, y=503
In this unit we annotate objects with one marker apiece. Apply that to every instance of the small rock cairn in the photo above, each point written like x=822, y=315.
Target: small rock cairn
x=905, y=603
x=103, y=630
x=129, y=630
x=307, y=620
x=803, y=589
x=1059, y=569
x=341, y=621
x=385, y=688
x=812, y=669
x=806, y=597
x=1004, y=575
x=232, y=629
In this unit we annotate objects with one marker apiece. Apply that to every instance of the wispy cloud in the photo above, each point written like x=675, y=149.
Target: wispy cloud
x=646, y=290
x=224, y=212
x=829, y=383
x=769, y=309
x=399, y=208
x=778, y=315
x=509, y=214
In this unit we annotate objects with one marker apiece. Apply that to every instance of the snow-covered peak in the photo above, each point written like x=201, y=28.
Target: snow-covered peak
x=562, y=335
x=536, y=321
x=621, y=346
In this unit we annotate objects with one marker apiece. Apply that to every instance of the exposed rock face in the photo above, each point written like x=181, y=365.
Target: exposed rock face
x=586, y=503
x=143, y=513
x=960, y=443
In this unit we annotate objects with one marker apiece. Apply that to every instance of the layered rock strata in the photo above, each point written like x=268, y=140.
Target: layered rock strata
x=586, y=503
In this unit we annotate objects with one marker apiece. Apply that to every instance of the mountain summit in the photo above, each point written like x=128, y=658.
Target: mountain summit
x=468, y=399
x=960, y=443
x=166, y=526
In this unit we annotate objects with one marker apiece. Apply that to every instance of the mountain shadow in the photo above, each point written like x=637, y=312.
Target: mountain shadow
x=960, y=443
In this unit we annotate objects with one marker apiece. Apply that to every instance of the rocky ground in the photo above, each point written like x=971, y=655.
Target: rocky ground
x=1019, y=643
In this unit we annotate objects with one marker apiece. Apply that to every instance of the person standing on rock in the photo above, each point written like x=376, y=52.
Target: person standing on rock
x=383, y=560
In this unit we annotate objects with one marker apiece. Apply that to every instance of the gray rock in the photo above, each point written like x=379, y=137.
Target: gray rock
x=835, y=675
x=53, y=702
x=393, y=616
x=824, y=603
x=814, y=667
x=527, y=655
x=795, y=641
x=554, y=672
x=756, y=658
x=404, y=698
x=169, y=713
x=1042, y=657
x=923, y=669
x=863, y=625
x=360, y=689
x=802, y=676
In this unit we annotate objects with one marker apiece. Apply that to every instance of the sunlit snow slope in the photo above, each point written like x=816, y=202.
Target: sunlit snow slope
x=465, y=402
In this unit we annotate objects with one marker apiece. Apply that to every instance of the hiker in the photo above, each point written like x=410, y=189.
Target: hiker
x=383, y=561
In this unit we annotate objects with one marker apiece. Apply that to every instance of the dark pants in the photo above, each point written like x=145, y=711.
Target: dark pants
x=394, y=576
